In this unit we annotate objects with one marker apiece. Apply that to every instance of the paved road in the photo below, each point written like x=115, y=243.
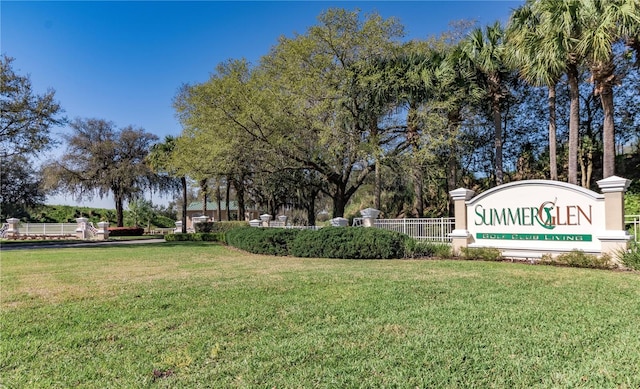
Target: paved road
x=54, y=245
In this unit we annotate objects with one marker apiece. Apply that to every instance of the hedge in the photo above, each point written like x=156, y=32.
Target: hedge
x=349, y=243
x=328, y=242
x=219, y=226
x=126, y=231
x=195, y=237
x=270, y=241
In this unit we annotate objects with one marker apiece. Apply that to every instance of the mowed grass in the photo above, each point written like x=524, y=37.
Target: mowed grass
x=190, y=315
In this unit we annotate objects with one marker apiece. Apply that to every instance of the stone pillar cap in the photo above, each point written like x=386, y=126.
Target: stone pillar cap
x=461, y=194
x=614, y=184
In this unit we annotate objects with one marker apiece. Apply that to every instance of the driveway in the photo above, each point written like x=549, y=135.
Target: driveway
x=54, y=245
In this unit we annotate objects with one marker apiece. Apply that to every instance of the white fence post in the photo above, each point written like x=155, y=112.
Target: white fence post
x=81, y=230
x=103, y=230
x=14, y=227
x=266, y=218
x=369, y=215
x=339, y=222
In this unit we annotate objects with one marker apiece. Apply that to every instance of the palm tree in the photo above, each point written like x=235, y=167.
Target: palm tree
x=537, y=67
x=486, y=50
x=159, y=159
x=561, y=29
x=605, y=23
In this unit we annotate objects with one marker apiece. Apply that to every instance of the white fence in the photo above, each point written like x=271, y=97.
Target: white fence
x=632, y=224
x=429, y=229
x=83, y=229
x=45, y=229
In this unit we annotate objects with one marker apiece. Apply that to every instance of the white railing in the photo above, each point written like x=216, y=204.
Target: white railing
x=3, y=230
x=92, y=231
x=632, y=224
x=430, y=229
x=48, y=229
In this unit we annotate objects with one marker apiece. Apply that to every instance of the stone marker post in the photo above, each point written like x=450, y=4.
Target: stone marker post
x=460, y=235
x=81, y=230
x=614, y=238
x=369, y=216
x=339, y=222
x=14, y=227
x=103, y=230
x=266, y=218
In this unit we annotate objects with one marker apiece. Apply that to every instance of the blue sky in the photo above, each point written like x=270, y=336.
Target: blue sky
x=124, y=61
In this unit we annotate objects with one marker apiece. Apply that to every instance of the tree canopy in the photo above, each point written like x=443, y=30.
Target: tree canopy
x=102, y=159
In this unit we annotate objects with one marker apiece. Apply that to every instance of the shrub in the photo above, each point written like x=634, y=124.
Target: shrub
x=578, y=258
x=204, y=226
x=482, y=253
x=421, y=249
x=219, y=226
x=195, y=237
x=270, y=241
x=631, y=257
x=349, y=243
x=126, y=231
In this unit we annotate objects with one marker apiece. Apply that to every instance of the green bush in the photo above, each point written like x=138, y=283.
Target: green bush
x=349, y=243
x=631, y=257
x=270, y=241
x=195, y=237
x=482, y=253
x=421, y=249
x=126, y=231
x=577, y=258
x=219, y=226
x=204, y=226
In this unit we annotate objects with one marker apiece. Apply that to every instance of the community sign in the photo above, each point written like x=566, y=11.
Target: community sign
x=537, y=215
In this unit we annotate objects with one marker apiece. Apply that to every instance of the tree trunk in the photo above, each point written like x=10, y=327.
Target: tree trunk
x=311, y=210
x=219, y=200
x=452, y=163
x=228, y=199
x=339, y=200
x=574, y=123
x=119, y=209
x=183, y=181
x=240, y=194
x=378, y=183
x=413, y=138
x=204, y=188
x=497, y=123
x=605, y=88
x=418, y=184
x=553, y=160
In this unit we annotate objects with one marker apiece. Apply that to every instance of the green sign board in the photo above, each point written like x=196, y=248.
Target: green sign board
x=537, y=237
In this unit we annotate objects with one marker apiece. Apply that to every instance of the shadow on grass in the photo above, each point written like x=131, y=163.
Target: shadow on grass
x=79, y=244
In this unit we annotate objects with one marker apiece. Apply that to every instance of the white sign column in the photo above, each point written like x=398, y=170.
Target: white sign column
x=460, y=236
x=614, y=238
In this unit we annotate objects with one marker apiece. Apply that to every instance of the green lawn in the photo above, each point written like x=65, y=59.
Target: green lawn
x=185, y=315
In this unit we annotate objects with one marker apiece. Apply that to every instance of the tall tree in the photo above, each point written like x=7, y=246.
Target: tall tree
x=301, y=108
x=101, y=159
x=560, y=24
x=20, y=188
x=26, y=118
x=338, y=120
x=605, y=23
x=486, y=50
x=540, y=62
x=161, y=160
